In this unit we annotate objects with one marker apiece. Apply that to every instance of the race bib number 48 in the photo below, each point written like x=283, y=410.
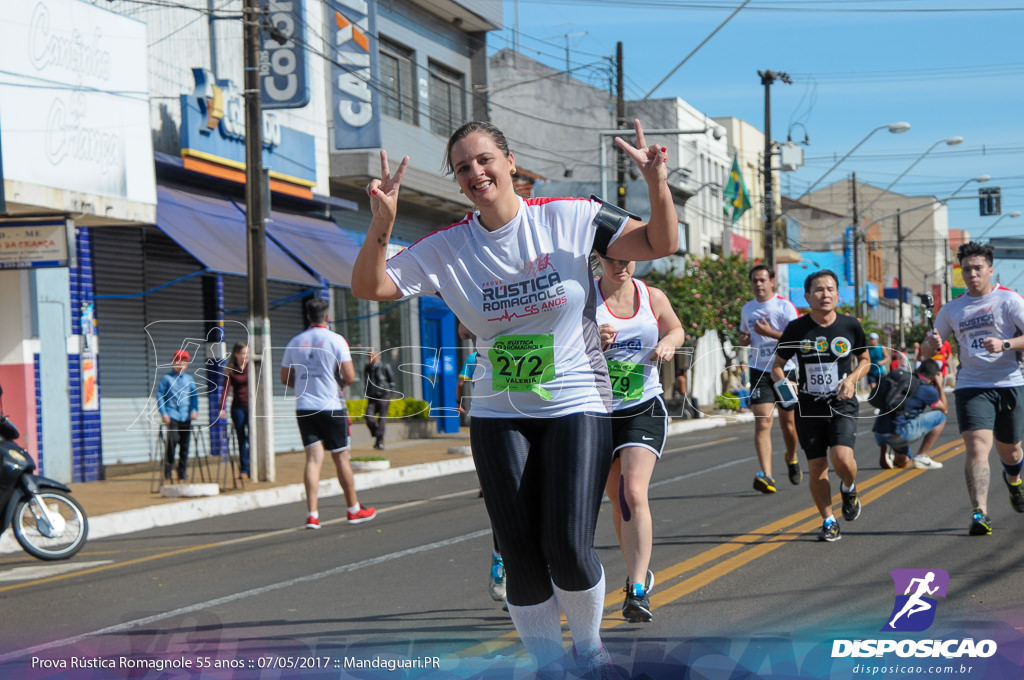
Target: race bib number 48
x=522, y=363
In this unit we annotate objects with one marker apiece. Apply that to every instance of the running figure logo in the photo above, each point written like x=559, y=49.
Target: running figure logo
x=914, y=610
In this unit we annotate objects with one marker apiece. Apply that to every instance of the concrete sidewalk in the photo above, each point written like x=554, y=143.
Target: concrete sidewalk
x=122, y=505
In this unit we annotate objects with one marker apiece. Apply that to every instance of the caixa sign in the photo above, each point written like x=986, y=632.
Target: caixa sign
x=283, y=76
x=351, y=34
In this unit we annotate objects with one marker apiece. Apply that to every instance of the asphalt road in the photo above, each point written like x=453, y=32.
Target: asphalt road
x=742, y=584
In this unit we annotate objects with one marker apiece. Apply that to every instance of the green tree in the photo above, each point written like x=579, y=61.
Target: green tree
x=708, y=295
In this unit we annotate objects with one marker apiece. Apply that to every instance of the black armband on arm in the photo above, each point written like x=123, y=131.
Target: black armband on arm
x=608, y=221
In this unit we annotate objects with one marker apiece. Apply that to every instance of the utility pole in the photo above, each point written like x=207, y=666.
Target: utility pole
x=899, y=277
x=945, y=270
x=620, y=122
x=261, y=413
x=767, y=78
x=856, y=250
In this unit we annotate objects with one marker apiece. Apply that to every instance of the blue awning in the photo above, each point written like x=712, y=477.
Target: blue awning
x=213, y=231
x=319, y=244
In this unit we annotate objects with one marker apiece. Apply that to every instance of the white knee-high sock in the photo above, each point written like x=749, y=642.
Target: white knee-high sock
x=540, y=628
x=583, y=610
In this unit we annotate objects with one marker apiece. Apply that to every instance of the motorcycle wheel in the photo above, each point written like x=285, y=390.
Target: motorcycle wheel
x=68, y=539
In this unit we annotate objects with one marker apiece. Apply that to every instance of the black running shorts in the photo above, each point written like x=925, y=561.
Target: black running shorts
x=1000, y=409
x=820, y=426
x=643, y=425
x=330, y=427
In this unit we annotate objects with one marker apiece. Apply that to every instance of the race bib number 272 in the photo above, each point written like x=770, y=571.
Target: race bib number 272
x=523, y=363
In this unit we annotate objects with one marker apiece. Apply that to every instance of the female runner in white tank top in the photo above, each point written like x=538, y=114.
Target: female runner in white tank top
x=639, y=330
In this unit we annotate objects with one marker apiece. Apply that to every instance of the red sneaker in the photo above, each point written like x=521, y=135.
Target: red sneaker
x=364, y=515
x=312, y=522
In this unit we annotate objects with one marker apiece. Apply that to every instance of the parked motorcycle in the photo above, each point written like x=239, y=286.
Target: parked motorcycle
x=47, y=521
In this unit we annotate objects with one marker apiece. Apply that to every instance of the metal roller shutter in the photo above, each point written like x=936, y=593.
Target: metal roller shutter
x=138, y=335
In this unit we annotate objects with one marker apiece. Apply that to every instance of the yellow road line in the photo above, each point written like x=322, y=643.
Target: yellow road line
x=869, y=490
x=96, y=570
x=754, y=545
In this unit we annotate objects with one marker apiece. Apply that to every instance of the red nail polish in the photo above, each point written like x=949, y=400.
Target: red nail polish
x=664, y=148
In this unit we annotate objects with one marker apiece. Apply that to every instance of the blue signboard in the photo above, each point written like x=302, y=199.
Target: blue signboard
x=213, y=128
x=350, y=28
x=284, y=83
x=871, y=294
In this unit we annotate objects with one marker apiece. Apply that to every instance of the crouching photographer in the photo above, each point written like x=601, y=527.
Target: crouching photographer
x=922, y=416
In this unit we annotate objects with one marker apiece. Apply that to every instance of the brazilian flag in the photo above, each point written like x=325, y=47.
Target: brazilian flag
x=737, y=200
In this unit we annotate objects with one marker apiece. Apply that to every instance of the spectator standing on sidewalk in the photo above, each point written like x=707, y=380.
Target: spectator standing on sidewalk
x=880, y=358
x=237, y=373
x=379, y=384
x=317, y=365
x=178, y=402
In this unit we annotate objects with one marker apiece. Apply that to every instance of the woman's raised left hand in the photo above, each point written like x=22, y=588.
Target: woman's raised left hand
x=651, y=160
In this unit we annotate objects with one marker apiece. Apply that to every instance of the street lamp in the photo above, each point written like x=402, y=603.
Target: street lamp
x=949, y=141
x=1015, y=213
x=680, y=189
x=894, y=128
x=979, y=179
x=900, y=236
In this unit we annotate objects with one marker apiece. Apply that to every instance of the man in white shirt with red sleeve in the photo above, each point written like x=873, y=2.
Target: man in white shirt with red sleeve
x=988, y=323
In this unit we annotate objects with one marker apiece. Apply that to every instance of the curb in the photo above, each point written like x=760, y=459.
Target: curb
x=168, y=514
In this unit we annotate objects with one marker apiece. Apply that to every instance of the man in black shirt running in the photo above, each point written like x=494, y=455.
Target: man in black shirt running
x=826, y=344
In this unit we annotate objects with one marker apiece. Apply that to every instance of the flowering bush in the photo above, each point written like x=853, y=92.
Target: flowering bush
x=708, y=295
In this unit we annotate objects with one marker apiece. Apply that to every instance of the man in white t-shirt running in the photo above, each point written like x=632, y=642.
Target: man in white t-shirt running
x=317, y=365
x=988, y=323
x=762, y=321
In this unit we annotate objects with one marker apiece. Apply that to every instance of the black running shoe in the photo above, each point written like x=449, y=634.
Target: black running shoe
x=764, y=483
x=851, y=505
x=1016, y=493
x=795, y=473
x=829, y=532
x=636, y=608
x=981, y=524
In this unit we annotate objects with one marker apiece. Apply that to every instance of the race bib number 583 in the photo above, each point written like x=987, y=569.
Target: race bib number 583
x=822, y=378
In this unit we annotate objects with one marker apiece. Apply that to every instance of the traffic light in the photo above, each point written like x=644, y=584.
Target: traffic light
x=990, y=201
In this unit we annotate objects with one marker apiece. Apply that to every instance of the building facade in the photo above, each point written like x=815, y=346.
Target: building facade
x=148, y=199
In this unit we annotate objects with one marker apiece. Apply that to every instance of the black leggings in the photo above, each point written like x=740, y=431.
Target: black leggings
x=543, y=480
